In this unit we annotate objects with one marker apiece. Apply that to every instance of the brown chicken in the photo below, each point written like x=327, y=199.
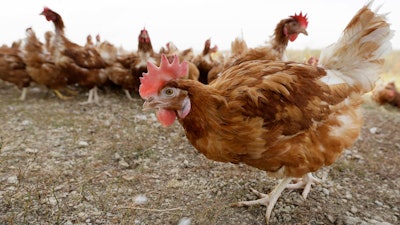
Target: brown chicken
x=41, y=67
x=387, y=95
x=83, y=65
x=288, y=119
x=13, y=68
x=185, y=55
x=144, y=54
x=286, y=30
x=205, y=61
x=238, y=49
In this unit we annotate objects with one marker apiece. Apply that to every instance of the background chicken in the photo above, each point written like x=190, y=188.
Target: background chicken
x=205, y=61
x=288, y=119
x=238, y=49
x=171, y=50
x=13, y=68
x=83, y=65
x=387, y=95
x=144, y=54
x=41, y=67
x=286, y=30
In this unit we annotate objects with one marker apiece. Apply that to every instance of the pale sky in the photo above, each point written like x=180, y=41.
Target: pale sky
x=188, y=23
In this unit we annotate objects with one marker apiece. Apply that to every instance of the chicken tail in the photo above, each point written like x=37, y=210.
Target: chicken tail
x=357, y=58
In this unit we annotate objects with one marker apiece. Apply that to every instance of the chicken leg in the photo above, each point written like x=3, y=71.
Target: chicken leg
x=23, y=94
x=61, y=96
x=128, y=94
x=305, y=183
x=93, y=97
x=268, y=200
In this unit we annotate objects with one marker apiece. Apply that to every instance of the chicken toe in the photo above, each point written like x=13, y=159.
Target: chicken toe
x=305, y=183
x=268, y=200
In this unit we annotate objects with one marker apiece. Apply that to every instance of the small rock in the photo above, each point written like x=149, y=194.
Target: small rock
x=52, y=201
x=348, y=195
x=123, y=163
x=26, y=122
x=31, y=151
x=373, y=130
x=349, y=220
x=83, y=144
x=12, y=180
x=117, y=156
x=107, y=123
x=185, y=221
x=186, y=164
x=140, y=199
x=325, y=191
x=353, y=209
x=68, y=223
x=378, y=203
x=376, y=222
x=331, y=218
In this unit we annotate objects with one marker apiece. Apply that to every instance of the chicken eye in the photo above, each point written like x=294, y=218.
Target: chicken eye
x=169, y=92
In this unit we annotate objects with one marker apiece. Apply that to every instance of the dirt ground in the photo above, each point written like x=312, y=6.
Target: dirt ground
x=66, y=163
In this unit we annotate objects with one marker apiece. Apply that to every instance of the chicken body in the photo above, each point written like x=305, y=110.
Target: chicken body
x=41, y=67
x=143, y=55
x=13, y=68
x=387, y=95
x=83, y=65
x=288, y=119
x=205, y=61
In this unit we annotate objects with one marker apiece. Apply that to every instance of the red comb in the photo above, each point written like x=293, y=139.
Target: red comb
x=302, y=19
x=157, y=77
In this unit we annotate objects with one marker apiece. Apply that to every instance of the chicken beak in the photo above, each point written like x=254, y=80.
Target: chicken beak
x=303, y=31
x=148, y=104
x=151, y=103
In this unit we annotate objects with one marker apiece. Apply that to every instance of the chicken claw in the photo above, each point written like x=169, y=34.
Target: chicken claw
x=306, y=182
x=268, y=200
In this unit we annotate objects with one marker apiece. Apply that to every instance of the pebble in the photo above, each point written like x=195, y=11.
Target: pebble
x=373, y=130
x=26, y=122
x=123, y=163
x=31, y=151
x=83, y=144
x=378, y=203
x=185, y=221
x=140, y=199
x=331, y=218
x=325, y=191
x=52, y=201
x=12, y=180
x=349, y=220
x=117, y=156
x=348, y=195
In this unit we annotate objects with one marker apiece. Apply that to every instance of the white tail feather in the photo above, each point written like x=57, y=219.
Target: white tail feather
x=357, y=57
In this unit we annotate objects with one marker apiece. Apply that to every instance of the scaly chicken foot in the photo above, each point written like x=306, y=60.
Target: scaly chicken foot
x=268, y=200
x=61, y=96
x=23, y=94
x=128, y=94
x=305, y=183
x=70, y=91
x=93, y=97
